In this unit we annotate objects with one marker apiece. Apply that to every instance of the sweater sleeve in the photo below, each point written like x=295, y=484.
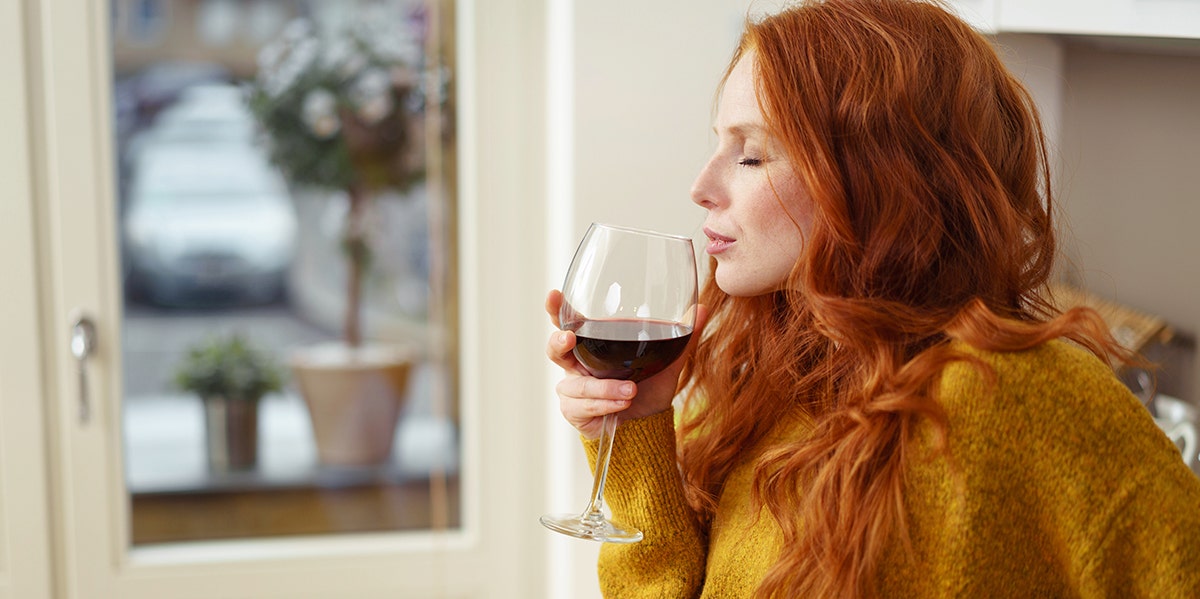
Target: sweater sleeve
x=1069, y=488
x=1124, y=499
x=644, y=490
x=1139, y=515
x=1152, y=544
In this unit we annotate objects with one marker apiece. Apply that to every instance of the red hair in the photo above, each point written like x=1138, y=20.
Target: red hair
x=927, y=168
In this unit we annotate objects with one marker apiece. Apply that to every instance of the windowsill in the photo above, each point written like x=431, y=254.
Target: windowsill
x=165, y=449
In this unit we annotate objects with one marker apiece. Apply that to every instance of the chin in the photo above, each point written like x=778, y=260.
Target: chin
x=739, y=287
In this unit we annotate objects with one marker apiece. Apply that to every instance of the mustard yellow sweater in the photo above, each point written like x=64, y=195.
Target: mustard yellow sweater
x=1064, y=487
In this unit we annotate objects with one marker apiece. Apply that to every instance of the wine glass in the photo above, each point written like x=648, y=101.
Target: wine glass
x=630, y=299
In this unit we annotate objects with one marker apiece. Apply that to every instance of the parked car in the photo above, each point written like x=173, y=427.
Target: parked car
x=208, y=219
x=139, y=98
x=204, y=114
x=161, y=84
x=208, y=225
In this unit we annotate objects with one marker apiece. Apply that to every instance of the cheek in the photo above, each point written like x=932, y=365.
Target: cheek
x=772, y=239
x=765, y=262
x=798, y=205
x=789, y=244
x=787, y=224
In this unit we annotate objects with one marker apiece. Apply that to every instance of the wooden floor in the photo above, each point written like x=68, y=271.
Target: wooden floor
x=313, y=510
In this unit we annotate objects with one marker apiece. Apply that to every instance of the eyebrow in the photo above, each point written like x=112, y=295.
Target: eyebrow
x=743, y=130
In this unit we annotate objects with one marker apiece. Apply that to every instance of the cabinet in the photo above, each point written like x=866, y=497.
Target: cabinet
x=1138, y=18
x=979, y=13
x=1126, y=18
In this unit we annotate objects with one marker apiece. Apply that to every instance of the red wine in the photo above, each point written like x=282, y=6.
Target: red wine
x=628, y=349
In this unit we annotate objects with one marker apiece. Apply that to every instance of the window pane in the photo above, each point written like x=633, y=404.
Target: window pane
x=280, y=163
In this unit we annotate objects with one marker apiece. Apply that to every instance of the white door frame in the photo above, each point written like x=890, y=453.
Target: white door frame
x=25, y=558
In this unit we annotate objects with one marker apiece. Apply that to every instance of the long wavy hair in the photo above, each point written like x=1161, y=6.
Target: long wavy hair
x=926, y=165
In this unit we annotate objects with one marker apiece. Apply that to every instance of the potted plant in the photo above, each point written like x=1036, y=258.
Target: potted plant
x=231, y=377
x=340, y=110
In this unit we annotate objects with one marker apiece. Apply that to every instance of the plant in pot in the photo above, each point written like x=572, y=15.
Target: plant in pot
x=231, y=378
x=340, y=109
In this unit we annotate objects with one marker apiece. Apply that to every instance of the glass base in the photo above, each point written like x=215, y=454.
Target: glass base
x=592, y=529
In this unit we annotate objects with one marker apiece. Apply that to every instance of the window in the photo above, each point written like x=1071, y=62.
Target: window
x=235, y=263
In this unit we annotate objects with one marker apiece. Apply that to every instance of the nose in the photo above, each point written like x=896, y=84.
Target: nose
x=705, y=189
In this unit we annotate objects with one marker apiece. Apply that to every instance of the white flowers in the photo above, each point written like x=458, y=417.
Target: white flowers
x=376, y=27
x=320, y=113
x=358, y=67
x=283, y=61
x=371, y=93
x=340, y=99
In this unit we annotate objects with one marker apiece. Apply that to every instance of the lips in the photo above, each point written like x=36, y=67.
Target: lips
x=717, y=243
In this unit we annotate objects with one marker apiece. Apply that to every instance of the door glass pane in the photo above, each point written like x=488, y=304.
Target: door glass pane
x=281, y=162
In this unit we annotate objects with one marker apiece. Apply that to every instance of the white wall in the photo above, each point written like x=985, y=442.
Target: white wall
x=645, y=77
x=635, y=82
x=1131, y=139
x=1123, y=119
x=1038, y=61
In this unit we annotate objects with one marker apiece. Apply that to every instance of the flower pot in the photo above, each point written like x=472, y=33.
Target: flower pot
x=231, y=433
x=354, y=398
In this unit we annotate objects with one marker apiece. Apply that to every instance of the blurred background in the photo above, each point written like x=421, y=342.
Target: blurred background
x=217, y=238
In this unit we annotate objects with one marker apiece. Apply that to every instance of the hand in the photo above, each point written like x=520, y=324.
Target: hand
x=584, y=400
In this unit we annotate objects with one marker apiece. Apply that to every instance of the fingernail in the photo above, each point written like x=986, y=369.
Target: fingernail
x=627, y=389
x=560, y=337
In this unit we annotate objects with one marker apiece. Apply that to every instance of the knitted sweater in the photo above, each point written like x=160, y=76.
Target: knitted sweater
x=1062, y=487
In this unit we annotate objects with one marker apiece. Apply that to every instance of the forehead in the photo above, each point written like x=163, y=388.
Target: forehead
x=738, y=107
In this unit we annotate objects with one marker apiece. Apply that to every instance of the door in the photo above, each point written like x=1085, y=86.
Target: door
x=489, y=547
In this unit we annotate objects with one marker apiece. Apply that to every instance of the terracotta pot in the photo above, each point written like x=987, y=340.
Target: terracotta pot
x=231, y=433
x=354, y=398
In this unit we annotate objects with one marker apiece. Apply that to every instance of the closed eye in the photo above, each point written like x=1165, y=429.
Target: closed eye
x=750, y=162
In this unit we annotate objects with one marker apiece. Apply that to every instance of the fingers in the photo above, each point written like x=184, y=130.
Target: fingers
x=588, y=388
x=554, y=301
x=585, y=414
x=558, y=349
x=584, y=399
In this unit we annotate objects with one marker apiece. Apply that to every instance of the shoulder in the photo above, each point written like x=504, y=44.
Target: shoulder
x=1049, y=390
x=1054, y=369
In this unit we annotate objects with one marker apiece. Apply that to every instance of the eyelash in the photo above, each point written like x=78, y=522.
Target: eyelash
x=749, y=162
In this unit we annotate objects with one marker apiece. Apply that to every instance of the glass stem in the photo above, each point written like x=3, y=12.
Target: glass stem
x=608, y=431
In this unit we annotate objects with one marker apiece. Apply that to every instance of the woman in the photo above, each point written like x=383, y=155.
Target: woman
x=884, y=402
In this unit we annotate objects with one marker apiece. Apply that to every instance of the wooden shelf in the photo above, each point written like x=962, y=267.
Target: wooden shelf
x=232, y=514
x=176, y=497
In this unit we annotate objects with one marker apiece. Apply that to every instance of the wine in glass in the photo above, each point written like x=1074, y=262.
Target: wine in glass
x=630, y=299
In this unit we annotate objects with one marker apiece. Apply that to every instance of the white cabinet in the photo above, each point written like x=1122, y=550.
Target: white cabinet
x=1141, y=18
x=1128, y=18
x=981, y=14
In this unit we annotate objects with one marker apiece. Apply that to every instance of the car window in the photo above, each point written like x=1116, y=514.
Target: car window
x=167, y=173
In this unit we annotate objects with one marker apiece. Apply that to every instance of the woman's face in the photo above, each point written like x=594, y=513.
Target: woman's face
x=757, y=209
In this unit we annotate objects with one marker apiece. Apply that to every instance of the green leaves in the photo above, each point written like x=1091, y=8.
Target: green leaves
x=339, y=109
x=228, y=367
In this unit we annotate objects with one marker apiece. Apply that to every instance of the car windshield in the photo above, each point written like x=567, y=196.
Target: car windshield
x=210, y=174
x=205, y=131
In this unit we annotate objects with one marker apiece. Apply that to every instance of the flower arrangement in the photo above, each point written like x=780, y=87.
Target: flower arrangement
x=341, y=109
x=228, y=368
